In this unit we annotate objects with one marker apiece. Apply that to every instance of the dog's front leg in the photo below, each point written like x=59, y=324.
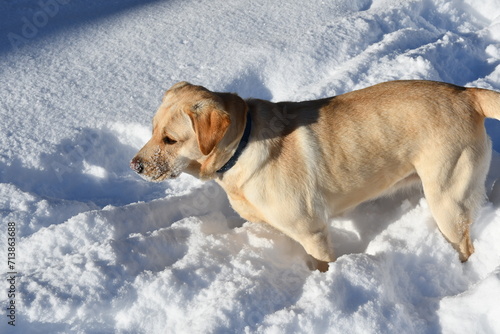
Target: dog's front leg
x=318, y=244
x=313, y=235
x=303, y=226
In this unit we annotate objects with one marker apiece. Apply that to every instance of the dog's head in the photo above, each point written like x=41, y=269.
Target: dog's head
x=194, y=131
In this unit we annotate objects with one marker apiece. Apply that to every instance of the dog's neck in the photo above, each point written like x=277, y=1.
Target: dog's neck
x=230, y=148
x=241, y=146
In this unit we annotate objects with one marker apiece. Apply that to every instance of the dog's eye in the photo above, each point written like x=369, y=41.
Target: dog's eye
x=169, y=141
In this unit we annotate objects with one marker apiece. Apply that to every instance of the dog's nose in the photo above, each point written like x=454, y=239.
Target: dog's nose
x=136, y=165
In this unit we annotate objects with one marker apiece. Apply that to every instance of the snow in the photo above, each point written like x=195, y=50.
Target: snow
x=99, y=250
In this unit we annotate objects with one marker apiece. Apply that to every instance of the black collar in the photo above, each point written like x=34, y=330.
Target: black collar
x=241, y=146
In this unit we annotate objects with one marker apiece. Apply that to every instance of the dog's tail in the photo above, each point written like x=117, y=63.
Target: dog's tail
x=489, y=102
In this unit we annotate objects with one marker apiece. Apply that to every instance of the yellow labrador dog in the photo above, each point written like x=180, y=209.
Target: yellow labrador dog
x=294, y=165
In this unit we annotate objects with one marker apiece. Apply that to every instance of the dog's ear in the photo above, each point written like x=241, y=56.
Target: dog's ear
x=210, y=125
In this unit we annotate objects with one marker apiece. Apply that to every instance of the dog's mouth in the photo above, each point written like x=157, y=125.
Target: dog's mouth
x=154, y=172
x=159, y=177
x=163, y=177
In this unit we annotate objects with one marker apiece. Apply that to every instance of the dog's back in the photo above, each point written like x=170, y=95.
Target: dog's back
x=361, y=145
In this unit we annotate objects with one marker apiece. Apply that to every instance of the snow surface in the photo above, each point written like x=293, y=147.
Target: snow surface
x=99, y=250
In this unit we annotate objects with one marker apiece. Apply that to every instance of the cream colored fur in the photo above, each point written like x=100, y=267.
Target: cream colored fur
x=309, y=161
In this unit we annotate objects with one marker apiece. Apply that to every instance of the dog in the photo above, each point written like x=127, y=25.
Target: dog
x=295, y=165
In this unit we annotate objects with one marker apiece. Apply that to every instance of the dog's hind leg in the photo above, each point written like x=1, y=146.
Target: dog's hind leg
x=454, y=190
